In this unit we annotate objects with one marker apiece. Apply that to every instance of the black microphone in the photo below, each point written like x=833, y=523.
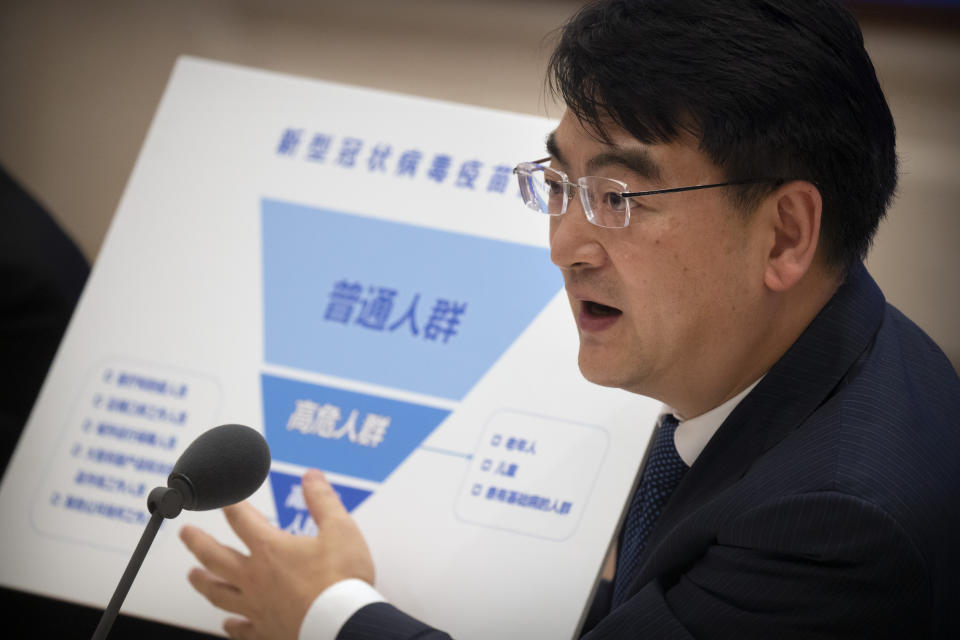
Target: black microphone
x=222, y=466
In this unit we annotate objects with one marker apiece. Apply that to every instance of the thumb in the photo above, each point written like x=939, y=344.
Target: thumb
x=322, y=501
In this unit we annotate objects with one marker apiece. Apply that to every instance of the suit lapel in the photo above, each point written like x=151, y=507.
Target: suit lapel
x=802, y=380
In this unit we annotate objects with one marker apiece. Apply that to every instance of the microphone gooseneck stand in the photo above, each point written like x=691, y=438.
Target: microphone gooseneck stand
x=224, y=465
x=163, y=502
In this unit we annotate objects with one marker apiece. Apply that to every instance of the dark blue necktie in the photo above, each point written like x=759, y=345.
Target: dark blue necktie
x=660, y=477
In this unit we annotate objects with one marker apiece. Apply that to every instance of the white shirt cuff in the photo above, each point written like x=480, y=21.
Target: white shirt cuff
x=332, y=608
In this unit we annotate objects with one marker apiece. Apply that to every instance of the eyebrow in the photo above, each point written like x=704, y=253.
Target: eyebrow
x=554, y=149
x=637, y=160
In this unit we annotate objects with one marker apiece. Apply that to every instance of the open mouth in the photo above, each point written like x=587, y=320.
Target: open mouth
x=598, y=310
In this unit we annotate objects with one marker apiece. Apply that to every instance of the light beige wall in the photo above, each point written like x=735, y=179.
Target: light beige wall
x=79, y=82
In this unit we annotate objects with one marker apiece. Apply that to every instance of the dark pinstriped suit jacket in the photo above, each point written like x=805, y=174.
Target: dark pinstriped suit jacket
x=827, y=505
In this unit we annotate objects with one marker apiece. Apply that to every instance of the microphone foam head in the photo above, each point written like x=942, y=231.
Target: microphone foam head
x=222, y=466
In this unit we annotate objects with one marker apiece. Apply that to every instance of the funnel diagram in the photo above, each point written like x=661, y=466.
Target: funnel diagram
x=400, y=321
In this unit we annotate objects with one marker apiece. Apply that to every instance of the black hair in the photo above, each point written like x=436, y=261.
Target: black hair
x=779, y=89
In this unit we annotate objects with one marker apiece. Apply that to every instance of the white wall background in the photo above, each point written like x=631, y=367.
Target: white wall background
x=79, y=82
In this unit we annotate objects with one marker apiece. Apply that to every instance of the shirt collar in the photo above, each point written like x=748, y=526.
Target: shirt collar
x=693, y=434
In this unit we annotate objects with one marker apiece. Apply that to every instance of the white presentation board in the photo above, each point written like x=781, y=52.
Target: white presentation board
x=353, y=274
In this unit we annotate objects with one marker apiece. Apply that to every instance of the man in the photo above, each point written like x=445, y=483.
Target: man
x=713, y=187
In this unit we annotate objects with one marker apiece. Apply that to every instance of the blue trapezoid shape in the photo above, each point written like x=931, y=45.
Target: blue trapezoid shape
x=292, y=513
x=345, y=432
x=398, y=305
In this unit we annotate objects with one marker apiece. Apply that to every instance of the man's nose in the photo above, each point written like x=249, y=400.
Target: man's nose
x=574, y=241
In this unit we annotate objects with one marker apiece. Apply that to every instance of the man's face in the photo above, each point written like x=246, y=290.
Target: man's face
x=667, y=304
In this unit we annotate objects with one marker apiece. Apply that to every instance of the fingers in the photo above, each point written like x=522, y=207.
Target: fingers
x=218, y=558
x=322, y=500
x=251, y=525
x=219, y=593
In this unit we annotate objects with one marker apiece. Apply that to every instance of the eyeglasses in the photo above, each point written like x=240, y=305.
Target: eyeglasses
x=606, y=202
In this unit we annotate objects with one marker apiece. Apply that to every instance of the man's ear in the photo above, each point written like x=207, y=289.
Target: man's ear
x=794, y=218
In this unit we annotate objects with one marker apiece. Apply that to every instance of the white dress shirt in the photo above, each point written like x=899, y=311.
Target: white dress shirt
x=693, y=435
x=332, y=608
